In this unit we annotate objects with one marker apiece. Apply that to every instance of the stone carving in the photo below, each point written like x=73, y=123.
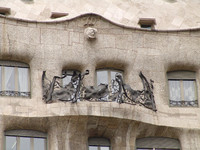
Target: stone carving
x=90, y=33
x=118, y=91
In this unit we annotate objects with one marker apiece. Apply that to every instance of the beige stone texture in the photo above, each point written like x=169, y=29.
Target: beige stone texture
x=61, y=45
x=169, y=14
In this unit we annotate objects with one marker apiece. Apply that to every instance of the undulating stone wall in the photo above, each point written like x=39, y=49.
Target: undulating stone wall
x=62, y=45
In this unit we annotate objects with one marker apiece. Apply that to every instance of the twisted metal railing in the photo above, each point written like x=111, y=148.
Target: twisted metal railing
x=117, y=91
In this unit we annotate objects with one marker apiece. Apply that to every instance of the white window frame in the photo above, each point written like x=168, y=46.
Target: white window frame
x=15, y=68
x=182, y=76
x=109, y=70
x=31, y=134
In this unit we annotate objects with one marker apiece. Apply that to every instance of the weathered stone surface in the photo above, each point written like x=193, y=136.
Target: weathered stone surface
x=54, y=47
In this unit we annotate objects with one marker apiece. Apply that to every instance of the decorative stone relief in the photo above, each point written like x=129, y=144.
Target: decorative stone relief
x=90, y=33
x=118, y=91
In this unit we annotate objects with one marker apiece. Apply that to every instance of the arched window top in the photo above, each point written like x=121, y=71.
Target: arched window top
x=99, y=141
x=26, y=133
x=13, y=64
x=158, y=142
x=25, y=139
x=181, y=75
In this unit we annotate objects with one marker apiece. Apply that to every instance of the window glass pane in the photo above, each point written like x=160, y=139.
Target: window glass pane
x=39, y=143
x=93, y=148
x=174, y=90
x=102, y=77
x=9, y=78
x=11, y=143
x=104, y=148
x=189, y=90
x=70, y=74
x=67, y=79
x=25, y=143
x=23, y=81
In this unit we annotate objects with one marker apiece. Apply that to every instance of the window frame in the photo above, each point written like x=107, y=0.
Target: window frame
x=16, y=66
x=68, y=70
x=182, y=76
x=29, y=134
x=144, y=22
x=153, y=143
x=109, y=70
x=5, y=11
x=109, y=79
x=99, y=142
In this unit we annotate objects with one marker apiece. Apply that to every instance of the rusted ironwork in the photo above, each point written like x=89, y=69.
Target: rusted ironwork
x=118, y=91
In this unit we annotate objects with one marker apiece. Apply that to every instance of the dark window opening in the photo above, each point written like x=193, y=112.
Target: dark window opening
x=4, y=11
x=145, y=26
x=147, y=23
x=55, y=15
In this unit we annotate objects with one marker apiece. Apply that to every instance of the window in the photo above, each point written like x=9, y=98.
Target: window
x=98, y=144
x=157, y=143
x=25, y=140
x=105, y=76
x=147, y=23
x=182, y=88
x=14, y=79
x=55, y=15
x=146, y=26
x=4, y=11
x=69, y=74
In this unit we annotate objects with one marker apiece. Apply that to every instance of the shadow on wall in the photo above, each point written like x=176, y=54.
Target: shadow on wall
x=171, y=1
x=28, y=1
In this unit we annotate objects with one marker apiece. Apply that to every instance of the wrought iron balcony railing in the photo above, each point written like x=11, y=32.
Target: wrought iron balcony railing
x=118, y=91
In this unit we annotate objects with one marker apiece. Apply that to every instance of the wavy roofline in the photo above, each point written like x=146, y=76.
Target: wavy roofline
x=95, y=14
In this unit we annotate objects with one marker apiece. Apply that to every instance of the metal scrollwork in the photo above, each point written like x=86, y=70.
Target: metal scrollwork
x=118, y=91
x=53, y=90
x=125, y=94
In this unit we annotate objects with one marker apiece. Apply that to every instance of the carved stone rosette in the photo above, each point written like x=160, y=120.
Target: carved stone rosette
x=90, y=33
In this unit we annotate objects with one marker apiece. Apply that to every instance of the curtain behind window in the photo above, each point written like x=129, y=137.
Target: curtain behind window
x=9, y=78
x=23, y=80
x=174, y=90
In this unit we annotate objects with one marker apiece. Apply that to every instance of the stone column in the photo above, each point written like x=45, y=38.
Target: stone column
x=53, y=136
x=76, y=134
x=190, y=140
x=124, y=138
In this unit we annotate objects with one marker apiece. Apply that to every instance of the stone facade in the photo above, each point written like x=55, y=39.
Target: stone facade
x=62, y=45
x=169, y=14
